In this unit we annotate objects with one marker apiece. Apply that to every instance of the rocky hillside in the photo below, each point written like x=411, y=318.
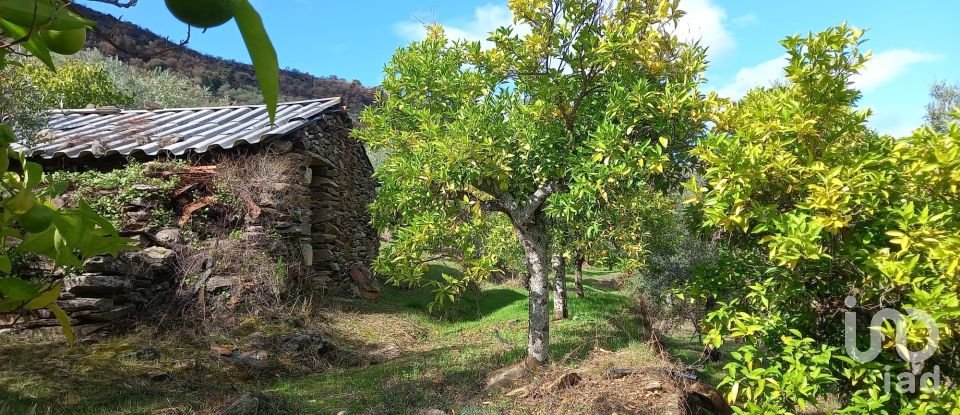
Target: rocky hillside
x=142, y=48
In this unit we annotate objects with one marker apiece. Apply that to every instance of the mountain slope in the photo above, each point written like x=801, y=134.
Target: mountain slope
x=142, y=48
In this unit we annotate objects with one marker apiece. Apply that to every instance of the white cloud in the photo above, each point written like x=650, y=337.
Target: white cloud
x=705, y=22
x=745, y=20
x=887, y=65
x=763, y=74
x=883, y=68
x=896, y=121
x=485, y=20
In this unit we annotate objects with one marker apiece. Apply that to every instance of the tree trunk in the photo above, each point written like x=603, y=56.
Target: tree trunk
x=559, y=286
x=578, y=274
x=534, y=239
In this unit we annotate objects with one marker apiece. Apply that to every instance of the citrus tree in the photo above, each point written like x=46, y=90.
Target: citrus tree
x=34, y=231
x=824, y=219
x=596, y=97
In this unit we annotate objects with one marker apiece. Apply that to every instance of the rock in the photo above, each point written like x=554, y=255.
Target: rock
x=85, y=304
x=521, y=392
x=221, y=282
x=653, y=385
x=145, y=187
x=564, y=381
x=256, y=238
x=139, y=202
x=106, y=264
x=320, y=181
x=507, y=378
x=155, y=255
x=96, y=285
x=170, y=236
x=431, y=412
x=105, y=316
x=131, y=298
x=323, y=255
x=32, y=322
x=155, y=260
x=220, y=350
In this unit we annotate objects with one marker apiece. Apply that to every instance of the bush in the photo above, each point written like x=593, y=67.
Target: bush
x=823, y=208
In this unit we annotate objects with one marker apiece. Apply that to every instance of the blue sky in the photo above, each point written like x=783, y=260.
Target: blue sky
x=914, y=43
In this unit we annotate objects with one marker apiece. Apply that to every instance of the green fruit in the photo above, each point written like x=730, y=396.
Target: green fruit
x=37, y=219
x=202, y=13
x=22, y=202
x=49, y=14
x=64, y=42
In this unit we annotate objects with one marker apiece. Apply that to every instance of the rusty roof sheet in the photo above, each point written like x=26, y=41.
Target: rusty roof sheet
x=104, y=132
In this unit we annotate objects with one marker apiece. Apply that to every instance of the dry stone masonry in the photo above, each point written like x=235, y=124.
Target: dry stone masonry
x=293, y=205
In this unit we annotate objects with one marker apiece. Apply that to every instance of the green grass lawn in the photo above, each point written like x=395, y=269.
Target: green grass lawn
x=446, y=369
x=442, y=360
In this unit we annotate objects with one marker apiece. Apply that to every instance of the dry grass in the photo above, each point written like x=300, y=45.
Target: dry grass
x=650, y=390
x=265, y=179
x=397, y=359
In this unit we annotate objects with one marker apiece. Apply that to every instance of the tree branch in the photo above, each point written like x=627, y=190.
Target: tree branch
x=485, y=205
x=535, y=201
x=118, y=3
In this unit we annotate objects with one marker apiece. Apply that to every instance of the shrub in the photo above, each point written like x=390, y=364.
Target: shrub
x=822, y=208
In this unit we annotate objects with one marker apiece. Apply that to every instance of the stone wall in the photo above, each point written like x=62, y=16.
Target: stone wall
x=108, y=289
x=300, y=202
x=340, y=178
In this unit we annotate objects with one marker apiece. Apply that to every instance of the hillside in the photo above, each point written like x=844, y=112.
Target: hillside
x=142, y=48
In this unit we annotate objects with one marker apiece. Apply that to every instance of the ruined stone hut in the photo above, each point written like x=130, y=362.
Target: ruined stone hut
x=320, y=225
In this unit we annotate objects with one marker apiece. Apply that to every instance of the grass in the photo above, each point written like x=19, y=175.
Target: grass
x=438, y=362
x=446, y=367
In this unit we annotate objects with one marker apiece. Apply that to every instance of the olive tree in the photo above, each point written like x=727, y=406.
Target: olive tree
x=21, y=104
x=593, y=99
x=944, y=99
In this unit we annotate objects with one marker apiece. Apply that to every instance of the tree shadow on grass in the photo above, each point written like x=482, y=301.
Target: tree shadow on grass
x=40, y=377
x=445, y=378
x=473, y=305
x=602, y=285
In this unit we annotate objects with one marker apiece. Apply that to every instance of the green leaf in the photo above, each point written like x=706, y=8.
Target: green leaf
x=33, y=174
x=34, y=45
x=17, y=289
x=42, y=14
x=5, y=266
x=262, y=53
x=48, y=297
x=64, y=322
x=7, y=135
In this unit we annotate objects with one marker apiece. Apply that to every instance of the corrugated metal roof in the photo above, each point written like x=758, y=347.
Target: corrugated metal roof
x=102, y=132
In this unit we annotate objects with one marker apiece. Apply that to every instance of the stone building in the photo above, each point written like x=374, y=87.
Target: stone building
x=303, y=201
